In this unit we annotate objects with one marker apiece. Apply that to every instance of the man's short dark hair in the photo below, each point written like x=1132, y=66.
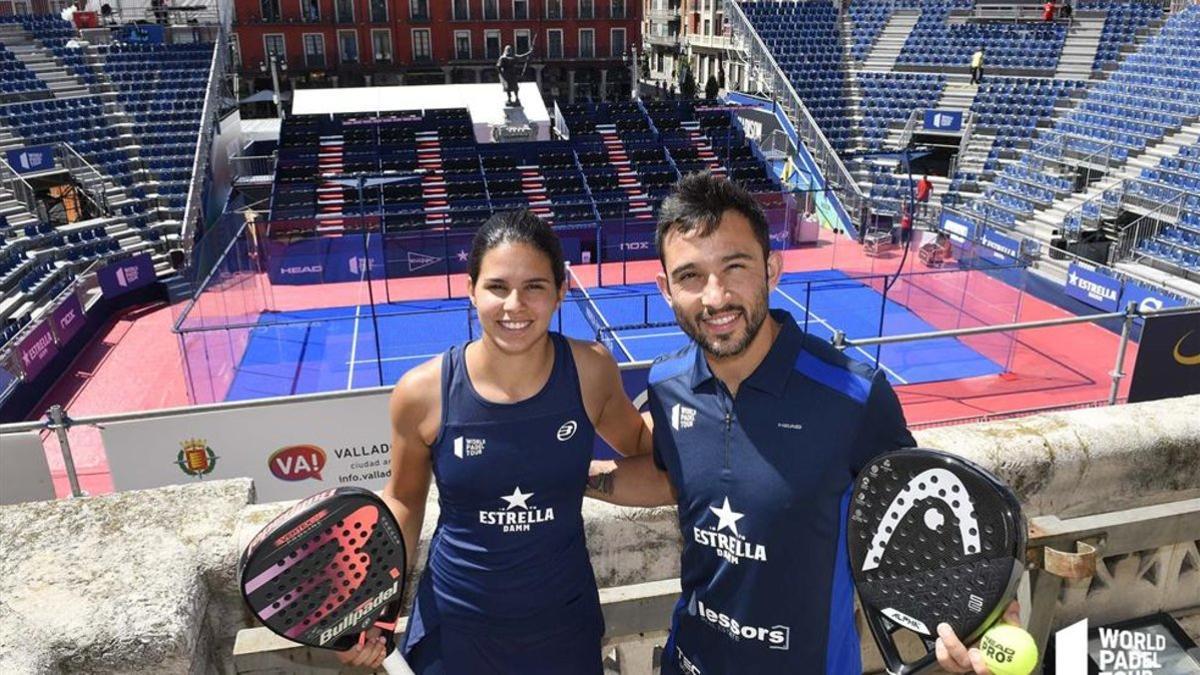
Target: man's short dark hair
x=697, y=203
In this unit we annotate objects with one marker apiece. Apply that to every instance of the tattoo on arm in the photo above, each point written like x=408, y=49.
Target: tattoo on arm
x=601, y=483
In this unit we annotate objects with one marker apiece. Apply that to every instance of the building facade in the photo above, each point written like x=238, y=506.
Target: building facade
x=689, y=35
x=581, y=48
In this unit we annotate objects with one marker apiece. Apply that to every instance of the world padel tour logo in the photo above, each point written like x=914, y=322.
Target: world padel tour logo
x=297, y=462
x=196, y=458
x=1118, y=651
x=518, y=515
x=725, y=538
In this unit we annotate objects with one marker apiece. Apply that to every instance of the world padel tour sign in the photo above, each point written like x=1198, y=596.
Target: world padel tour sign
x=31, y=160
x=126, y=275
x=943, y=120
x=36, y=350
x=1094, y=288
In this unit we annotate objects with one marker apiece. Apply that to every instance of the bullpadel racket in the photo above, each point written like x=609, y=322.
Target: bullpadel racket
x=326, y=570
x=932, y=538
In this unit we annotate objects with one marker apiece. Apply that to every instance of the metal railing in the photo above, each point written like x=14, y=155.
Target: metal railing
x=775, y=80
x=21, y=189
x=95, y=186
x=253, y=165
x=1130, y=237
x=193, y=209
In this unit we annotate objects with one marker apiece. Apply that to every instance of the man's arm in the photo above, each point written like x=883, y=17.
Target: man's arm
x=630, y=481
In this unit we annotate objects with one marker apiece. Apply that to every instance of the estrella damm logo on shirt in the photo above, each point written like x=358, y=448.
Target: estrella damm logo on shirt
x=518, y=515
x=725, y=539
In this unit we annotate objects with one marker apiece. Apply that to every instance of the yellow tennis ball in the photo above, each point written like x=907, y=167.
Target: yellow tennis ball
x=1008, y=650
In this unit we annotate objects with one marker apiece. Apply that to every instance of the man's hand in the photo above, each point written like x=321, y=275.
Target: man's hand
x=368, y=653
x=954, y=657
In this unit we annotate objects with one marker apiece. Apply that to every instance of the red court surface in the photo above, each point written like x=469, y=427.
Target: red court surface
x=135, y=362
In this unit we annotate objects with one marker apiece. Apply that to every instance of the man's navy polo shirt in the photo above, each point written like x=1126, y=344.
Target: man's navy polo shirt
x=763, y=482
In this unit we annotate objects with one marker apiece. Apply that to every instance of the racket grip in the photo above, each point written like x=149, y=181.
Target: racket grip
x=395, y=664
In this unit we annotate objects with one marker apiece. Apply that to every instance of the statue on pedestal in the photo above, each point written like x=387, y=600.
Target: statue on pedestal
x=510, y=75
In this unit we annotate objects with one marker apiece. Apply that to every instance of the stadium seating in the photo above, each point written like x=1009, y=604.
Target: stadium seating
x=1150, y=95
x=889, y=99
x=16, y=81
x=621, y=158
x=935, y=41
x=1174, y=182
x=805, y=41
x=1121, y=24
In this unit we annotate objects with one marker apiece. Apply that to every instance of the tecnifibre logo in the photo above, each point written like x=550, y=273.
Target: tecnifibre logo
x=1121, y=652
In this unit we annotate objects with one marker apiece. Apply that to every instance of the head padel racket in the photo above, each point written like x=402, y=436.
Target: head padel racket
x=932, y=538
x=328, y=569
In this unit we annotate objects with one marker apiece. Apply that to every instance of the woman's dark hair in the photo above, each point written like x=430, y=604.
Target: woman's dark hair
x=517, y=227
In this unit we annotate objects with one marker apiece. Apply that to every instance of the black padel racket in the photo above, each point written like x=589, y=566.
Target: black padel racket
x=932, y=538
x=328, y=569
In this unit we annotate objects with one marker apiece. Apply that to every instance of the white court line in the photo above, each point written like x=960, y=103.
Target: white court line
x=353, y=349
x=825, y=323
x=603, y=320
x=399, y=358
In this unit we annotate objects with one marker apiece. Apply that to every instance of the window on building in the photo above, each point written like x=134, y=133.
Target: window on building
x=617, y=40
x=270, y=10
x=520, y=9
x=587, y=9
x=491, y=9
x=491, y=44
x=314, y=50
x=344, y=11
x=554, y=9
x=310, y=11
x=381, y=45
x=587, y=43
x=235, y=50
x=273, y=45
x=462, y=10
x=348, y=46
x=462, y=45
x=617, y=9
x=418, y=9
x=521, y=40
x=379, y=12
x=554, y=43
x=422, y=45
x=708, y=26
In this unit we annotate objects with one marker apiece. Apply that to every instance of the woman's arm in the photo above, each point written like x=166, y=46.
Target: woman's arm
x=613, y=415
x=415, y=411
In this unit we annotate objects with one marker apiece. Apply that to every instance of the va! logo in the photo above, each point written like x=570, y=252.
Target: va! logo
x=297, y=462
x=196, y=458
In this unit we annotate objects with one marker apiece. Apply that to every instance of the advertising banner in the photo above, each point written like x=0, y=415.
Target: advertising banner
x=126, y=275
x=67, y=319
x=960, y=229
x=31, y=160
x=26, y=475
x=1168, y=359
x=1093, y=287
x=36, y=350
x=998, y=247
x=1148, y=297
x=948, y=121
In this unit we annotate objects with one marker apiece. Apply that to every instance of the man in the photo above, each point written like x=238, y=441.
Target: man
x=977, y=67
x=758, y=430
x=1048, y=11
x=924, y=192
x=509, y=75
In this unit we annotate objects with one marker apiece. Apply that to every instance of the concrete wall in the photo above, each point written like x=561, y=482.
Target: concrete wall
x=144, y=582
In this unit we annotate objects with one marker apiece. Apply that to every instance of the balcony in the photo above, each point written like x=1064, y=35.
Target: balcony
x=667, y=15
x=710, y=41
x=661, y=40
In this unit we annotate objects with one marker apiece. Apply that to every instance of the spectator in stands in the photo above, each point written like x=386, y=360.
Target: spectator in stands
x=476, y=419
x=687, y=90
x=1048, y=11
x=924, y=192
x=977, y=67
x=711, y=88
x=1065, y=10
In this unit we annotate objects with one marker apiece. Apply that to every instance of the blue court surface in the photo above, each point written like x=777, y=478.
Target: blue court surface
x=334, y=349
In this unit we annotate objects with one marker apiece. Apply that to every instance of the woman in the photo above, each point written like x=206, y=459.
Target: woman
x=506, y=426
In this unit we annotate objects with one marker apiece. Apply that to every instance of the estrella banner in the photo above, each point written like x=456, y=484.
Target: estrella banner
x=1168, y=360
x=1093, y=287
x=999, y=247
x=36, y=350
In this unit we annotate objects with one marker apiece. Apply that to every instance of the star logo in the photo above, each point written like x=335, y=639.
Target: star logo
x=462, y=256
x=727, y=517
x=517, y=498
